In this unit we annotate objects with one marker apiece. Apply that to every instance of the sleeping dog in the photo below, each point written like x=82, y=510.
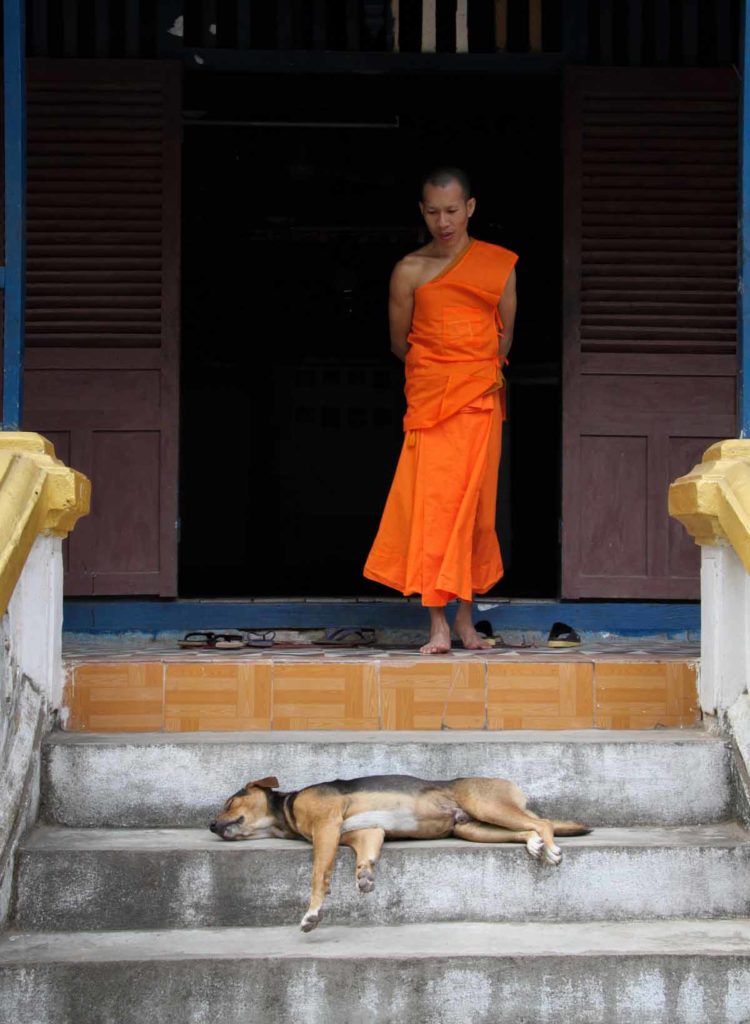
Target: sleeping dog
x=361, y=813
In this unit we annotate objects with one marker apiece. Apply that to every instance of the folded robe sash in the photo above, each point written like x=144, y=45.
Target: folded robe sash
x=453, y=355
x=437, y=536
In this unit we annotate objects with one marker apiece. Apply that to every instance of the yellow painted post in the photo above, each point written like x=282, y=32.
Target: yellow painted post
x=38, y=494
x=712, y=501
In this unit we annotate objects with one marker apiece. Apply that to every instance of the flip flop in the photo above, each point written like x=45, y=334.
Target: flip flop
x=229, y=641
x=484, y=628
x=347, y=636
x=259, y=637
x=198, y=638
x=563, y=635
x=202, y=638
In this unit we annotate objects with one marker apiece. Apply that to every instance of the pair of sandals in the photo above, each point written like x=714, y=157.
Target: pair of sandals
x=232, y=639
x=560, y=635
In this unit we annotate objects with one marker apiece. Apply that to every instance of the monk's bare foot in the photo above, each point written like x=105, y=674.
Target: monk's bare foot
x=463, y=627
x=440, y=635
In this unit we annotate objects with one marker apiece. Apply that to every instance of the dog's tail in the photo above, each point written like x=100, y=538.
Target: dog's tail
x=570, y=828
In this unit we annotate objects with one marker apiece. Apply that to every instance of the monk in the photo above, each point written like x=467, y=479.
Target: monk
x=452, y=308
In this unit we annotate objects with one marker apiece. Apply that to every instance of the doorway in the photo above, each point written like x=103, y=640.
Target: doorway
x=299, y=195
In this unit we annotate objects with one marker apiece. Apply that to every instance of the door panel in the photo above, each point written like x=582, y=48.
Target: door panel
x=102, y=317
x=649, y=361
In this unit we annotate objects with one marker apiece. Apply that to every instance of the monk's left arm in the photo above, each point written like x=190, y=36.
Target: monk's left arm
x=507, y=309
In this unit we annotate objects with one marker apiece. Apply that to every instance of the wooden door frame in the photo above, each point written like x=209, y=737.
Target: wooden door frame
x=576, y=364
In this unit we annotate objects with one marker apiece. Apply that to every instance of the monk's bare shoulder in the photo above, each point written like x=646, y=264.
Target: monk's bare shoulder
x=413, y=269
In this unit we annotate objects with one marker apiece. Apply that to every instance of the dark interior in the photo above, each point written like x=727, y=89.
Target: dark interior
x=291, y=403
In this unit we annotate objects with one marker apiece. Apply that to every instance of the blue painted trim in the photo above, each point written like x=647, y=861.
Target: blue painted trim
x=622, y=618
x=743, y=377
x=2, y=278
x=14, y=84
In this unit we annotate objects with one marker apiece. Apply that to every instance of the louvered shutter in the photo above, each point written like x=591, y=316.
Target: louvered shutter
x=649, y=317
x=103, y=310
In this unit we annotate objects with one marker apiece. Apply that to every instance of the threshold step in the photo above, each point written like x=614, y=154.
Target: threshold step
x=156, y=685
x=603, y=778
x=670, y=972
x=101, y=879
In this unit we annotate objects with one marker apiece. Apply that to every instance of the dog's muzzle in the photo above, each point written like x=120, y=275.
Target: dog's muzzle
x=220, y=828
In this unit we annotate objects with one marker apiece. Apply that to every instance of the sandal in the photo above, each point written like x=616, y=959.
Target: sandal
x=229, y=641
x=348, y=636
x=259, y=637
x=199, y=638
x=202, y=638
x=484, y=628
x=563, y=635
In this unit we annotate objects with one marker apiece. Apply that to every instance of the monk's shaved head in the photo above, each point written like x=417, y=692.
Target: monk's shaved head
x=446, y=175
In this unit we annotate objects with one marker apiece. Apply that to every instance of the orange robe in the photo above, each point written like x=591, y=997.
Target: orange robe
x=437, y=534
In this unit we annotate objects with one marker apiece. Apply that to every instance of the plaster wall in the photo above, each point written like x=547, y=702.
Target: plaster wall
x=31, y=678
x=725, y=628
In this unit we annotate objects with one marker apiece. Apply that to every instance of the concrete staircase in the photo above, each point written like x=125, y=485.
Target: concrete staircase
x=129, y=911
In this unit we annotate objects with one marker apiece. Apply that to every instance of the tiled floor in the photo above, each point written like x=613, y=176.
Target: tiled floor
x=136, y=686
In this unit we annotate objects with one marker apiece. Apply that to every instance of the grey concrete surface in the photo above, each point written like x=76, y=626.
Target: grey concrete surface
x=737, y=722
x=678, y=972
x=182, y=878
x=663, y=777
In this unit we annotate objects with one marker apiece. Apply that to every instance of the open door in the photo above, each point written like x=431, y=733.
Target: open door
x=102, y=316
x=649, y=362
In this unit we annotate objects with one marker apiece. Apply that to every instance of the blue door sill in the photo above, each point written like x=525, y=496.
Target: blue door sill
x=676, y=620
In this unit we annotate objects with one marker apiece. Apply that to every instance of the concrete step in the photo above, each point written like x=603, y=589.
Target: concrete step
x=141, y=780
x=670, y=972
x=120, y=879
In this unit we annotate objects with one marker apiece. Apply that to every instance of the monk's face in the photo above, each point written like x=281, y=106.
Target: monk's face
x=446, y=212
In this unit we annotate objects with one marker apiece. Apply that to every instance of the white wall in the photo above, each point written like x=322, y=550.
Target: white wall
x=31, y=681
x=725, y=628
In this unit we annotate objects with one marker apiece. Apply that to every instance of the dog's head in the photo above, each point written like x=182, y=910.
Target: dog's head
x=247, y=814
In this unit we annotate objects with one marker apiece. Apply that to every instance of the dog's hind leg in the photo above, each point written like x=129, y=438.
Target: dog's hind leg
x=325, y=840
x=499, y=803
x=367, y=844
x=481, y=832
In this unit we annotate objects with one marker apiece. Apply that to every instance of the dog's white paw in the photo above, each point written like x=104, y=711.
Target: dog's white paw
x=535, y=846
x=552, y=855
x=365, y=881
x=311, y=920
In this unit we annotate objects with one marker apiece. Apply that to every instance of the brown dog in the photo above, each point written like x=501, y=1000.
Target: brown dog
x=361, y=813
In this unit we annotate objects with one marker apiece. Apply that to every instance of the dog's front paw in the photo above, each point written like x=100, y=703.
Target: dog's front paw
x=535, y=846
x=311, y=920
x=552, y=855
x=365, y=881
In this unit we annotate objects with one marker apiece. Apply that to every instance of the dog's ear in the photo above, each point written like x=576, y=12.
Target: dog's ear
x=271, y=782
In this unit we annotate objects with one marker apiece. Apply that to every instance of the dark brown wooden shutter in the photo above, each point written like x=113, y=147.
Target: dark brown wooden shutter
x=649, y=317
x=103, y=309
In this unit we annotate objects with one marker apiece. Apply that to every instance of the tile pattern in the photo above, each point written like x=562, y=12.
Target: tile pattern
x=311, y=688
x=124, y=697
x=217, y=696
x=541, y=696
x=315, y=696
x=645, y=696
x=435, y=695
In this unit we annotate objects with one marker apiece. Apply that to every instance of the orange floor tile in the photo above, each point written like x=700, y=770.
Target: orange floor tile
x=540, y=696
x=218, y=696
x=117, y=698
x=316, y=696
x=376, y=691
x=433, y=695
x=645, y=696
